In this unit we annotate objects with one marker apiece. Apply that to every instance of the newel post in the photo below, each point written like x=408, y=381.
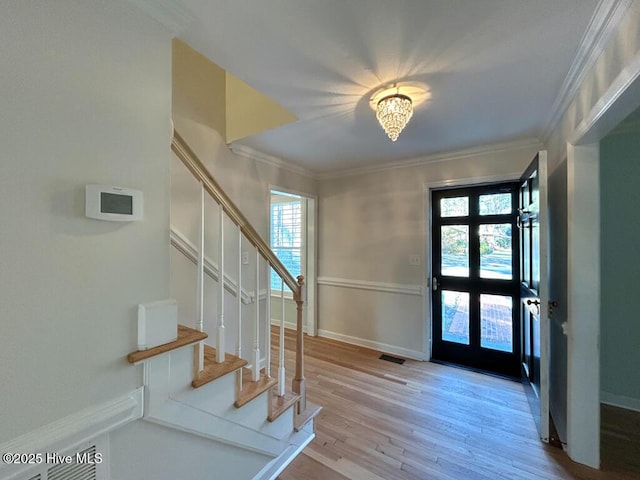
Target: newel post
x=298, y=384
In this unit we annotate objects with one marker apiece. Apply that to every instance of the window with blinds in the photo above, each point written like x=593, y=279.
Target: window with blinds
x=286, y=234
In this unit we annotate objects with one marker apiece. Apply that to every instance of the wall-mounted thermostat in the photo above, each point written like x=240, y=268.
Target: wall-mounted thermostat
x=116, y=204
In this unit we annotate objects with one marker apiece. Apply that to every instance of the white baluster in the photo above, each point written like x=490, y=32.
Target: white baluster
x=256, y=341
x=239, y=304
x=267, y=323
x=200, y=284
x=220, y=346
x=281, y=372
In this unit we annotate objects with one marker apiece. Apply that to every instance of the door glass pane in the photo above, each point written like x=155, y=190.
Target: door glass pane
x=455, y=317
x=454, y=207
x=496, y=329
x=495, y=251
x=495, y=204
x=455, y=250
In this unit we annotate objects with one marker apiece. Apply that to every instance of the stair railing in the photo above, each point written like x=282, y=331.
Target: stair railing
x=227, y=207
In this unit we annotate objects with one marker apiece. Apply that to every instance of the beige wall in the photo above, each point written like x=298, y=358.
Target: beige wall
x=85, y=98
x=369, y=225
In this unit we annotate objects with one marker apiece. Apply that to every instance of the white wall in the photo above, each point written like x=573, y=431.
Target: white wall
x=167, y=457
x=86, y=98
x=369, y=224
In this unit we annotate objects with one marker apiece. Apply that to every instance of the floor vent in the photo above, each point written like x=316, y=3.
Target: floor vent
x=83, y=468
x=391, y=358
x=86, y=463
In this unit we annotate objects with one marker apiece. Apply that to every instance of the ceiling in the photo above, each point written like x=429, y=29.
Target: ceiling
x=492, y=70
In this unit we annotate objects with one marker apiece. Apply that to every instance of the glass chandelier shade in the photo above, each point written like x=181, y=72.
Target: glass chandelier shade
x=394, y=112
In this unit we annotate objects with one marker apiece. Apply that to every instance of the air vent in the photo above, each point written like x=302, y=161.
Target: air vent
x=82, y=468
x=391, y=358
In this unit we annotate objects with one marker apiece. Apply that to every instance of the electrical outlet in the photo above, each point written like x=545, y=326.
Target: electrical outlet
x=245, y=258
x=414, y=260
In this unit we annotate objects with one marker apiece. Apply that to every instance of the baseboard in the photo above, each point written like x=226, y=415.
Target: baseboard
x=73, y=430
x=288, y=325
x=620, y=401
x=383, y=347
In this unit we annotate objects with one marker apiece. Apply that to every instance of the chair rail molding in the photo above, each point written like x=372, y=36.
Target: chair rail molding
x=74, y=429
x=401, y=288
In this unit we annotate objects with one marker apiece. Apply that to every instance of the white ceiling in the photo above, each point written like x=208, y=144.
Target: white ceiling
x=493, y=69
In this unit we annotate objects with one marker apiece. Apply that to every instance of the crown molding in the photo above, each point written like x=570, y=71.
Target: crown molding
x=436, y=158
x=258, y=156
x=603, y=24
x=166, y=12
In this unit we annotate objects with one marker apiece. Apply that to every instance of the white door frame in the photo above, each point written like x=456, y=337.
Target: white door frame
x=583, y=269
x=428, y=187
x=310, y=320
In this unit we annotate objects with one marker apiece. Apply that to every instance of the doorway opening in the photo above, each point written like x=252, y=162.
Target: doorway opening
x=475, y=278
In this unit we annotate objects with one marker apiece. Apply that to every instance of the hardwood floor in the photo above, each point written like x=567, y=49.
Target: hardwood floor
x=420, y=420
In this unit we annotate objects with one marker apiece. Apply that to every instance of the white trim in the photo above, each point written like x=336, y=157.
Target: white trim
x=530, y=143
x=253, y=154
x=289, y=325
x=310, y=257
x=182, y=244
x=602, y=117
x=603, y=24
x=277, y=465
x=184, y=417
x=73, y=430
x=363, y=342
x=404, y=289
x=620, y=401
x=166, y=12
x=473, y=181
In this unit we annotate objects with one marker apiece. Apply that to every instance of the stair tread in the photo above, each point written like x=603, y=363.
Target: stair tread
x=279, y=405
x=213, y=370
x=251, y=389
x=186, y=336
x=304, y=417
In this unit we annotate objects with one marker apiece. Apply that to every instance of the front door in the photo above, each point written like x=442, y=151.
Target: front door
x=532, y=227
x=475, y=281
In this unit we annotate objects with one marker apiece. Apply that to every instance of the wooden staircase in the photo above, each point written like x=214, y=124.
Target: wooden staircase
x=247, y=388
x=207, y=375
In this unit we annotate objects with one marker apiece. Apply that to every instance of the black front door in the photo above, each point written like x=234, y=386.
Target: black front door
x=475, y=281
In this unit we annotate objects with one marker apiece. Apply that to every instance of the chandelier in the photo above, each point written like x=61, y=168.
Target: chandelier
x=393, y=112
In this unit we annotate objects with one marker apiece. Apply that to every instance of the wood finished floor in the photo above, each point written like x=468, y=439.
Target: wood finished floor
x=420, y=420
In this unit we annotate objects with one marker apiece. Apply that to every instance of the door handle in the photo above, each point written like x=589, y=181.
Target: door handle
x=434, y=283
x=534, y=303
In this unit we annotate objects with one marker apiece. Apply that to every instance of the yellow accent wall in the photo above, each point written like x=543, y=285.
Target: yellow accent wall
x=250, y=112
x=210, y=96
x=198, y=88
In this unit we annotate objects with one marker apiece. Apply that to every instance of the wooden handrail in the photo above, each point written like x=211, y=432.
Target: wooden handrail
x=197, y=168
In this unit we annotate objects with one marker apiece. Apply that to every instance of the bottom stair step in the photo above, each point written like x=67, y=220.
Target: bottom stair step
x=251, y=389
x=279, y=405
x=304, y=417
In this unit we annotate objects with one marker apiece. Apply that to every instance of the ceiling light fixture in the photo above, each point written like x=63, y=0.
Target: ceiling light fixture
x=394, y=112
